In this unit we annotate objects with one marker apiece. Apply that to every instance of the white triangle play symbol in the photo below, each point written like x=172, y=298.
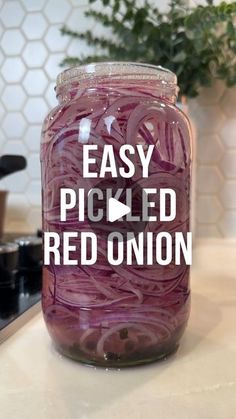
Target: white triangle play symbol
x=116, y=210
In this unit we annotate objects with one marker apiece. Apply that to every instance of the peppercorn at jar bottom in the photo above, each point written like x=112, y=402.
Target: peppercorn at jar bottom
x=119, y=337
x=110, y=337
x=128, y=355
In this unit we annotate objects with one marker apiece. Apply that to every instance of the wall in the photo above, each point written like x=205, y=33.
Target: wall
x=214, y=116
x=30, y=52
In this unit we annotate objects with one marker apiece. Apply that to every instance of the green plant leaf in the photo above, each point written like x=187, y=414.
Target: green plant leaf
x=197, y=43
x=179, y=57
x=230, y=29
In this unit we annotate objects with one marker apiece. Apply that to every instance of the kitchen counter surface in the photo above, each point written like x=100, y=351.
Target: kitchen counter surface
x=198, y=382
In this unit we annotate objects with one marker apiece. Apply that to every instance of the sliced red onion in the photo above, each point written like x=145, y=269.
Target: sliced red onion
x=149, y=304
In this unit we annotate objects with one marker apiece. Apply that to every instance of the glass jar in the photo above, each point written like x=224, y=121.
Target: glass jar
x=107, y=315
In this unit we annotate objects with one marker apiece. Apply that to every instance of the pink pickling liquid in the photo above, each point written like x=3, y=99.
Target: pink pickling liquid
x=103, y=314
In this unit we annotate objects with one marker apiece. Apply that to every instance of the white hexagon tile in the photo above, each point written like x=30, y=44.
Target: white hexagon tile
x=54, y=41
x=228, y=102
x=33, y=5
x=57, y=11
x=31, y=49
x=35, y=110
x=12, y=14
x=52, y=65
x=228, y=132
x=35, y=82
x=209, y=180
x=32, y=138
x=34, y=26
x=14, y=125
x=228, y=194
x=210, y=149
x=13, y=69
x=13, y=97
x=2, y=111
x=34, y=54
x=12, y=42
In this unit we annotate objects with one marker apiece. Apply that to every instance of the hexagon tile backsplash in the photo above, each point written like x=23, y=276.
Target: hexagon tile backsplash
x=214, y=116
x=31, y=49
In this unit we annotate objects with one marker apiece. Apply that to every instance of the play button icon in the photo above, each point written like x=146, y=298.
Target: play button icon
x=117, y=210
x=118, y=214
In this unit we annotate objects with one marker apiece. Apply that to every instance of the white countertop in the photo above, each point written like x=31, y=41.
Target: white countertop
x=198, y=382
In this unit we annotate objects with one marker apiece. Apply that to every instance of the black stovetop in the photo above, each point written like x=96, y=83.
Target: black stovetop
x=19, y=293
x=18, y=296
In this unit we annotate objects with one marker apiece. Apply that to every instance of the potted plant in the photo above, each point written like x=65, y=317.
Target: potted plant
x=199, y=45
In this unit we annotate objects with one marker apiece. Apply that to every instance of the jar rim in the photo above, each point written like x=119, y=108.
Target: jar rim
x=117, y=69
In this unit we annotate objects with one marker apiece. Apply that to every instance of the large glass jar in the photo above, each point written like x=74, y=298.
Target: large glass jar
x=103, y=314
